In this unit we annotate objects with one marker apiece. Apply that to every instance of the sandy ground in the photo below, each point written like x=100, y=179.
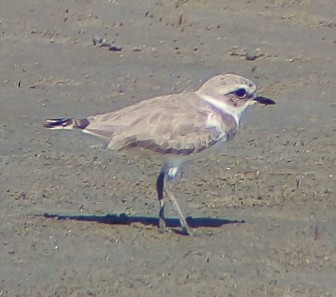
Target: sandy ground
x=278, y=175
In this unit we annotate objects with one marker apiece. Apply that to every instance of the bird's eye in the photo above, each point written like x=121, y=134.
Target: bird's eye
x=241, y=93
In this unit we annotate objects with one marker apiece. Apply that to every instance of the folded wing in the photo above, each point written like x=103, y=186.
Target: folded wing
x=173, y=124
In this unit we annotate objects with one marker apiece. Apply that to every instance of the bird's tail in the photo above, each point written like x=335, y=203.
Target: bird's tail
x=67, y=124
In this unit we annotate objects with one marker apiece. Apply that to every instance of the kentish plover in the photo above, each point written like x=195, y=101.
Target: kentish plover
x=176, y=127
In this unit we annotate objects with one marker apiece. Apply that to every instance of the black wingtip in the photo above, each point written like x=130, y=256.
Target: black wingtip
x=264, y=100
x=57, y=123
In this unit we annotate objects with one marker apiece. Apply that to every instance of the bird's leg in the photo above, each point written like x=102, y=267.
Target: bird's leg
x=159, y=189
x=185, y=228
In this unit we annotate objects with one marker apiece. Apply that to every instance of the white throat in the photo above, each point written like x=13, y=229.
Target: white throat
x=224, y=107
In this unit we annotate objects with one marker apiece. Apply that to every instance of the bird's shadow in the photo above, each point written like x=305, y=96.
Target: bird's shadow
x=124, y=219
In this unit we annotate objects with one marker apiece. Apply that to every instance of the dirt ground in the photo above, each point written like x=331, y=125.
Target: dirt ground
x=78, y=220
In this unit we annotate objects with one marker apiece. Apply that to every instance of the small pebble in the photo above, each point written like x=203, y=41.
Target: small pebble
x=115, y=48
x=251, y=55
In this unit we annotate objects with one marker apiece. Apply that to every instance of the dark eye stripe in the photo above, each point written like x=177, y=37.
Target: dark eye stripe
x=240, y=93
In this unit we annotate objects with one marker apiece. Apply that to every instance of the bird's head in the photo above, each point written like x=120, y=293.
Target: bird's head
x=231, y=93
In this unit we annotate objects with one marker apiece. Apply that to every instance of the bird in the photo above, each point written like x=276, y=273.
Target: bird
x=176, y=128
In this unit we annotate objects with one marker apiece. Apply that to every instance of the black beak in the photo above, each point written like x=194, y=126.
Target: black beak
x=264, y=100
